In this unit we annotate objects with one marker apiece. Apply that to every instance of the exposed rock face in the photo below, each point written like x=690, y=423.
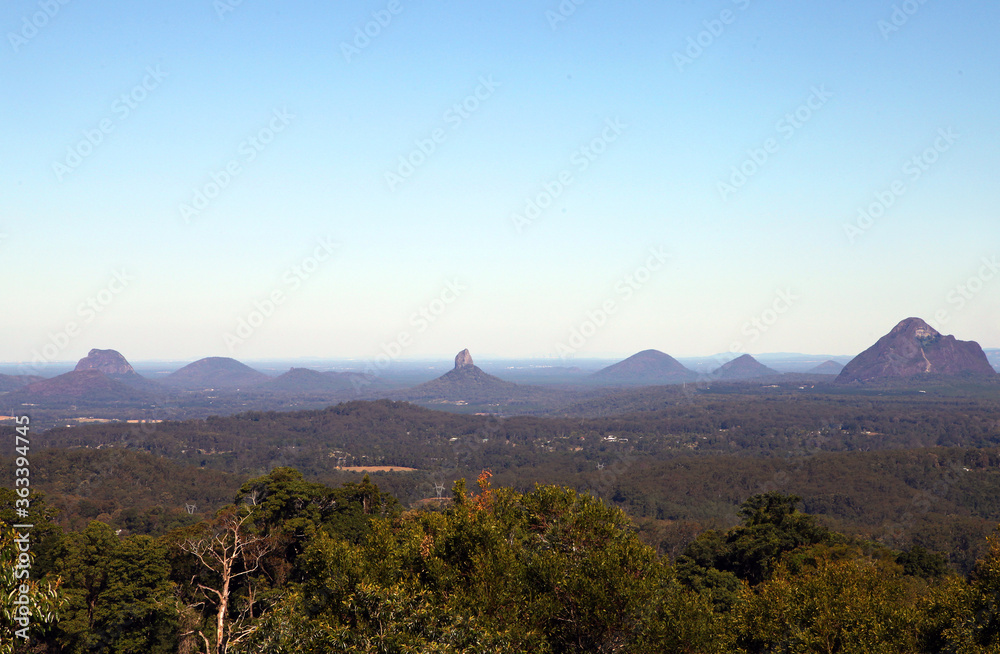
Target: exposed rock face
x=110, y=362
x=915, y=348
x=463, y=359
x=744, y=367
x=466, y=381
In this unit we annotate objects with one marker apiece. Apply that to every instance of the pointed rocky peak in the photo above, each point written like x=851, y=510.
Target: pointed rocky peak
x=466, y=382
x=463, y=360
x=110, y=362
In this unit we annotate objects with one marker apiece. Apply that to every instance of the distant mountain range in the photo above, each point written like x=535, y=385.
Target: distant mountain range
x=305, y=380
x=827, y=368
x=911, y=350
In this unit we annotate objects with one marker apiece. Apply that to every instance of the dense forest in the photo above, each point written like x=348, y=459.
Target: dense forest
x=297, y=566
x=910, y=468
x=651, y=520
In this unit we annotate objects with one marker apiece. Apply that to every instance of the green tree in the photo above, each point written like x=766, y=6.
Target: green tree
x=549, y=570
x=120, y=598
x=772, y=526
x=962, y=618
x=290, y=510
x=855, y=605
x=44, y=598
x=919, y=562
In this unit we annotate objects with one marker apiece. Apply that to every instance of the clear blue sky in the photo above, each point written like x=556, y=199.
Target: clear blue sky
x=502, y=97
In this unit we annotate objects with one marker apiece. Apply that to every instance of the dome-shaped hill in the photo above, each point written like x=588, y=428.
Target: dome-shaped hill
x=744, y=367
x=648, y=367
x=221, y=373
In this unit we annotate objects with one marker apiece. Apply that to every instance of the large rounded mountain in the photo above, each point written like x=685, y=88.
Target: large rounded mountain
x=743, y=367
x=645, y=368
x=915, y=348
x=220, y=373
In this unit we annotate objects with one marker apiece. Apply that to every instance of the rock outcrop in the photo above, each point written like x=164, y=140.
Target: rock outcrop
x=110, y=362
x=463, y=359
x=914, y=348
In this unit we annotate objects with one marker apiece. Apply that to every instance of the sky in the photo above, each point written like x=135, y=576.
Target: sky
x=260, y=179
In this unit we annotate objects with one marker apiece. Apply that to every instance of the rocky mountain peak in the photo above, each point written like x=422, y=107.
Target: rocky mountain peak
x=913, y=347
x=915, y=328
x=463, y=359
x=110, y=362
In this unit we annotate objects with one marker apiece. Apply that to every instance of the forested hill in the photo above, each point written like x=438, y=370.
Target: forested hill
x=295, y=567
x=678, y=468
x=400, y=434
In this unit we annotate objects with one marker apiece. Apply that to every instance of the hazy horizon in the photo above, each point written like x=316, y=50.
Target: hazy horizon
x=446, y=360
x=262, y=181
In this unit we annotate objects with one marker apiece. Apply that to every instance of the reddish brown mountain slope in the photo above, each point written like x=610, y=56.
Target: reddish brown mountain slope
x=915, y=348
